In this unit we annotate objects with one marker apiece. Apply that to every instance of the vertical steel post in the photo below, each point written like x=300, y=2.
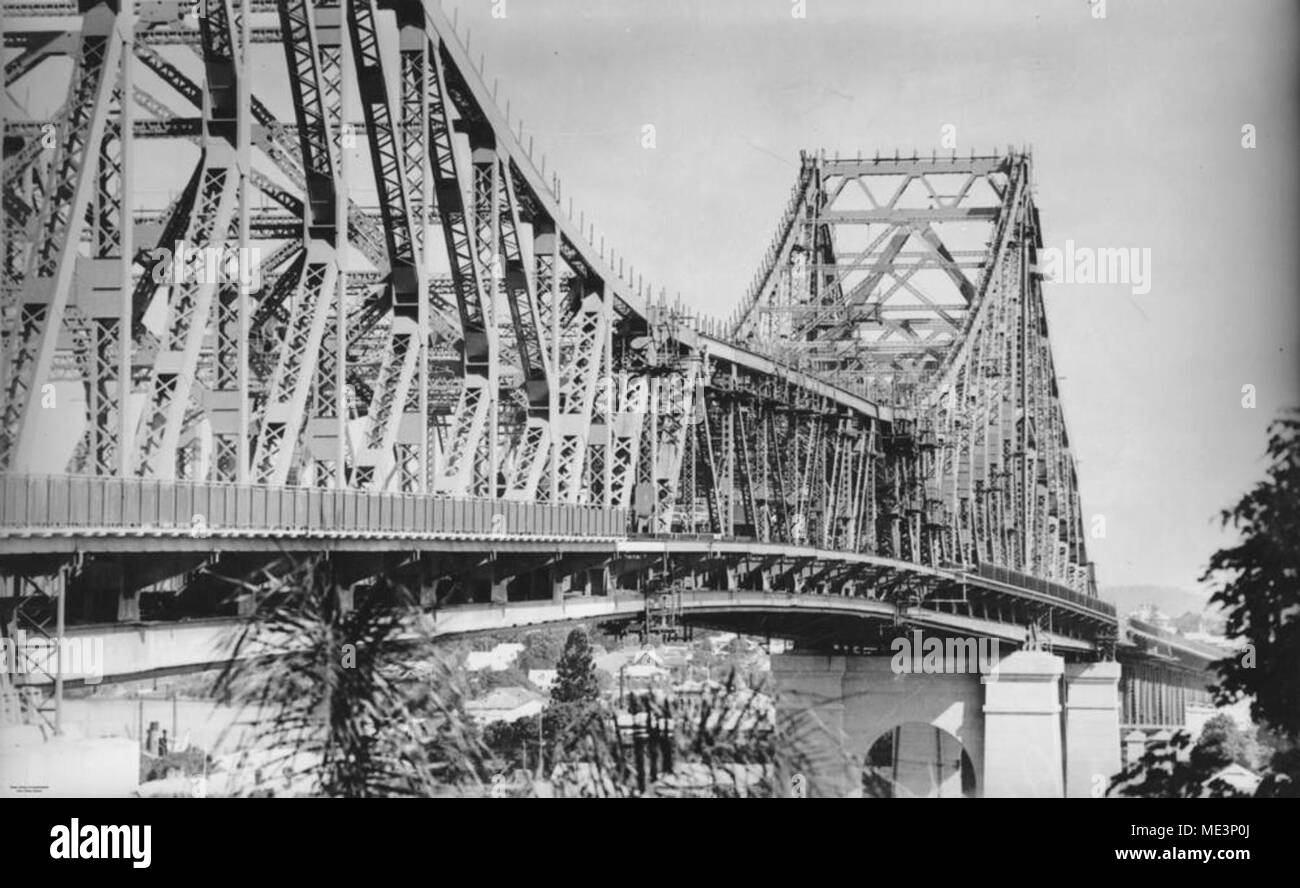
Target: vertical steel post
x=125, y=335
x=60, y=613
x=346, y=86
x=244, y=162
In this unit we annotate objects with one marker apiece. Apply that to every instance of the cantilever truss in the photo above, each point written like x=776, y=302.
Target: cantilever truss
x=913, y=282
x=887, y=389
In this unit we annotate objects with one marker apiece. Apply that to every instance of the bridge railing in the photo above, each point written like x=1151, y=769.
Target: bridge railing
x=1044, y=587
x=73, y=502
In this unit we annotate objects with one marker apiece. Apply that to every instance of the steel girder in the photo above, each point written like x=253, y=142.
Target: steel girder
x=40, y=316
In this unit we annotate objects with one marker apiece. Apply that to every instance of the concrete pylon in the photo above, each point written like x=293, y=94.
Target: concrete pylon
x=1022, y=727
x=833, y=708
x=811, y=712
x=1092, y=739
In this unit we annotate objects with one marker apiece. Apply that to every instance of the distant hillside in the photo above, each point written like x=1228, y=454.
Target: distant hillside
x=1171, y=600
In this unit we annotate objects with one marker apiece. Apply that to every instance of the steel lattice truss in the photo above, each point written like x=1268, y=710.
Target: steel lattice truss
x=912, y=282
x=886, y=389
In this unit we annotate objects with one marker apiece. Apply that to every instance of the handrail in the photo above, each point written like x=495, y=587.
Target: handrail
x=1044, y=587
x=110, y=503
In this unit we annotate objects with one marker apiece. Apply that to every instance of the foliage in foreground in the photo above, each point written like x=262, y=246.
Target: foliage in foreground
x=335, y=704
x=723, y=743
x=353, y=700
x=1259, y=589
x=1179, y=768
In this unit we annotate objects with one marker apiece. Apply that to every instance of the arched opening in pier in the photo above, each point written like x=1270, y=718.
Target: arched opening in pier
x=918, y=760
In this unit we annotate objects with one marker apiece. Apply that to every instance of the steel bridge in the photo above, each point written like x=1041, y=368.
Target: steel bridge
x=379, y=330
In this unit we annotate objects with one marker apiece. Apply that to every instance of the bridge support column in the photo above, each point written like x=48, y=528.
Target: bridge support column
x=1092, y=740
x=1022, y=727
x=935, y=719
x=105, y=592
x=428, y=584
x=500, y=584
x=833, y=709
x=128, y=604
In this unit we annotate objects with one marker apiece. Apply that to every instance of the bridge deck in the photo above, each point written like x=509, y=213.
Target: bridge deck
x=63, y=515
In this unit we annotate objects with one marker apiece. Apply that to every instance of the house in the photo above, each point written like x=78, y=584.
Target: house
x=647, y=657
x=499, y=659
x=718, y=642
x=677, y=660
x=643, y=678
x=505, y=704
x=543, y=678
x=643, y=672
x=1149, y=613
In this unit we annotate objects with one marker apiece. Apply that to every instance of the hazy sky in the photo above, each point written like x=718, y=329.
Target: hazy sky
x=1135, y=122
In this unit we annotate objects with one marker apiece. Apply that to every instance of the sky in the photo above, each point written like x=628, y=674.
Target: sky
x=1135, y=121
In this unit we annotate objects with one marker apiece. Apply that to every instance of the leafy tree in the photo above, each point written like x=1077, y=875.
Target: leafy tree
x=1261, y=588
x=517, y=743
x=334, y=694
x=486, y=680
x=565, y=721
x=542, y=650
x=576, y=679
x=1221, y=744
x=511, y=742
x=724, y=743
x=451, y=741
x=1173, y=770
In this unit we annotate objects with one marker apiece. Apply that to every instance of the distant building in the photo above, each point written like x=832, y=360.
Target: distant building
x=1149, y=613
x=543, y=678
x=676, y=658
x=647, y=657
x=505, y=704
x=646, y=671
x=1205, y=627
x=499, y=659
x=1227, y=645
x=719, y=641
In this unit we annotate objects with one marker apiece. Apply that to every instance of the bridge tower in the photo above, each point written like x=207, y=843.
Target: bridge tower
x=913, y=281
